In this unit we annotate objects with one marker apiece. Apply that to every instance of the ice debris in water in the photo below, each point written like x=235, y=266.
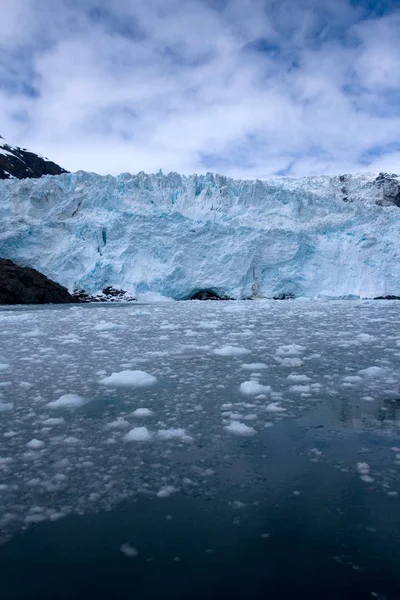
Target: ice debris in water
x=238, y=428
x=173, y=434
x=253, y=388
x=5, y=406
x=363, y=469
x=138, y=434
x=105, y=326
x=274, y=407
x=67, y=401
x=253, y=366
x=53, y=421
x=35, y=444
x=373, y=372
x=231, y=351
x=129, y=379
x=166, y=491
x=142, y=412
x=129, y=550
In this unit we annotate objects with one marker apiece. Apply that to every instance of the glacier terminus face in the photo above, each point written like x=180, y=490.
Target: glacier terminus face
x=174, y=236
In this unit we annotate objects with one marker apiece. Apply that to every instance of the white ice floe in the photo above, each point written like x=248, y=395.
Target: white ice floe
x=274, y=407
x=363, y=469
x=53, y=421
x=352, y=379
x=5, y=406
x=138, y=434
x=298, y=378
x=35, y=444
x=231, y=351
x=4, y=366
x=253, y=366
x=174, y=434
x=142, y=412
x=129, y=379
x=119, y=423
x=238, y=428
x=300, y=389
x=67, y=401
x=290, y=350
x=252, y=387
x=373, y=372
x=105, y=326
x=289, y=362
x=129, y=550
x=166, y=491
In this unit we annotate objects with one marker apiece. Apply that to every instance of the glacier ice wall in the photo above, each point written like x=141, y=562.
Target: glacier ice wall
x=315, y=236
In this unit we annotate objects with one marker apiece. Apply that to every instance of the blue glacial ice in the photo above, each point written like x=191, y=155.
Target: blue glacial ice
x=315, y=237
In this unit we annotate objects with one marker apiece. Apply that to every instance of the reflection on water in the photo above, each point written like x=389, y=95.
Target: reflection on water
x=378, y=414
x=305, y=501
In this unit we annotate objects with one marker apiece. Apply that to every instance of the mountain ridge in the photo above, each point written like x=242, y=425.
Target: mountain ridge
x=20, y=163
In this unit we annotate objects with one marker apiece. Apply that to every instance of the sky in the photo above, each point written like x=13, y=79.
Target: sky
x=246, y=88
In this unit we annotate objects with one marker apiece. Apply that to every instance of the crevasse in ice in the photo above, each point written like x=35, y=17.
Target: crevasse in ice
x=175, y=235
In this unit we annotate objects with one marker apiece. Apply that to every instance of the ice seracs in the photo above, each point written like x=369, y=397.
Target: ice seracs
x=174, y=236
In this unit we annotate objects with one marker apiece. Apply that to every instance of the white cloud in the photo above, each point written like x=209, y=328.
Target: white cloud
x=248, y=89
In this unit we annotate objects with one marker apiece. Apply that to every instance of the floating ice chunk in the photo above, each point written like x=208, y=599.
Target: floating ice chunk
x=373, y=372
x=138, y=434
x=105, y=326
x=300, y=389
x=174, y=434
x=209, y=324
x=290, y=362
x=254, y=366
x=231, y=351
x=253, y=388
x=5, y=406
x=298, y=378
x=129, y=550
x=365, y=337
x=129, y=379
x=55, y=421
x=67, y=401
x=4, y=366
x=352, y=378
x=363, y=469
x=237, y=505
x=35, y=444
x=142, y=412
x=238, y=428
x=289, y=350
x=166, y=491
x=119, y=422
x=366, y=478
x=274, y=408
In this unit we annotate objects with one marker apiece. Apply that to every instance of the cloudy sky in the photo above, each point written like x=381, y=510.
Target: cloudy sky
x=249, y=88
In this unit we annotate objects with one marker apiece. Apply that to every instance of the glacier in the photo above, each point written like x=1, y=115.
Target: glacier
x=172, y=235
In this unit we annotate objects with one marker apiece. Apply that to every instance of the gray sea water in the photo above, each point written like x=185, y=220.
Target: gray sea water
x=219, y=449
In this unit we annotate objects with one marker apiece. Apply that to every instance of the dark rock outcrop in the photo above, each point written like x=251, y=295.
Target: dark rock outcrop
x=23, y=285
x=387, y=297
x=283, y=296
x=19, y=163
x=389, y=186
